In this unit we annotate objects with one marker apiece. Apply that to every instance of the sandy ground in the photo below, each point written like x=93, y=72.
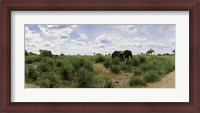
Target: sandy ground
x=121, y=80
x=167, y=82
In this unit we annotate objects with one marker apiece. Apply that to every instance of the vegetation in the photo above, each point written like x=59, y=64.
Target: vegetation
x=52, y=71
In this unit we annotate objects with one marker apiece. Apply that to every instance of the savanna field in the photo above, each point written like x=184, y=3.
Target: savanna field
x=96, y=71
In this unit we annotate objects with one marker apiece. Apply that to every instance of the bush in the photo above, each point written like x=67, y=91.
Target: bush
x=49, y=80
x=151, y=76
x=44, y=67
x=125, y=67
x=78, y=63
x=137, y=71
x=137, y=81
x=115, y=69
x=99, y=59
x=115, y=61
x=108, y=83
x=142, y=59
x=107, y=63
x=31, y=74
x=133, y=61
x=59, y=63
x=66, y=71
x=49, y=61
x=85, y=78
x=44, y=83
x=151, y=65
x=32, y=58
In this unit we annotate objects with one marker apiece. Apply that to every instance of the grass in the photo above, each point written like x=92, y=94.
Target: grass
x=115, y=69
x=137, y=81
x=78, y=71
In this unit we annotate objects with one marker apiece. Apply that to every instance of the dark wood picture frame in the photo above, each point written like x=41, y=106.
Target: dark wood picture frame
x=193, y=106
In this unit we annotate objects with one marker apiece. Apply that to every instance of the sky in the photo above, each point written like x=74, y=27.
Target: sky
x=87, y=39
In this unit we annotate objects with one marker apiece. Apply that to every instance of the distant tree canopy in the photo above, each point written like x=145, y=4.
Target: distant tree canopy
x=29, y=53
x=99, y=54
x=26, y=53
x=149, y=52
x=62, y=54
x=45, y=53
x=173, y=52
x=166, y=54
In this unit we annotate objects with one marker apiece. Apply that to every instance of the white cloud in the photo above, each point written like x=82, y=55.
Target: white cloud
x=83, y=37
x=77, y=42
x=50, y=26
x=126, y=28
x=59, y=39
x=32, y=36
x=57, y=32
x=131, y=29
x=104, y=38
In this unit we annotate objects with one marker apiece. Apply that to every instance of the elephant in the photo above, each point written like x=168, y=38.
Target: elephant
x=127, y=54
x=123, y=55
x=115, y=54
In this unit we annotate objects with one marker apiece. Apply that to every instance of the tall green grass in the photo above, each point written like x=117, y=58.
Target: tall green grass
x=77, y=71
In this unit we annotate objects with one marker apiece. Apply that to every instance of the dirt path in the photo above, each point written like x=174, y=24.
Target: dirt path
x=121, y=80
x=167, y=82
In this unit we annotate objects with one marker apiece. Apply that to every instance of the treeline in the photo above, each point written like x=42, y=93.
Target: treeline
x=48, y=53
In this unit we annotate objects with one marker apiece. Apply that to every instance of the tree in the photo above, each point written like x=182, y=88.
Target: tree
x=166, y=54
x=62, y=54
x=45, y=53
x=99, y=54
x=173, y=52
x=26, y=53
x=149, y=52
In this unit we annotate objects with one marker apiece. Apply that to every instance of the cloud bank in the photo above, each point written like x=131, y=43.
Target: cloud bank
x=93, y=38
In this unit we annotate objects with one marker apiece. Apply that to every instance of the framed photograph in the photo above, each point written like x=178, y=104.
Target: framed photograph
x=100, y=56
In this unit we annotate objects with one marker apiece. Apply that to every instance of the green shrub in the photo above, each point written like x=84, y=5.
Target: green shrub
x=99, y=59
x=151, y=65
x=137, y=81
x=66, y=71
x=107, y=63
x=151, y=76
x=44, y=67
x=125, y=67
x=49, y=61
x=44, y=83
x=115, y=69
x=133, y=61
x=78, y=63
x=59, y=63
x=137, y=71
x=142, y=59
x=85, y=78
x=32, y=58
x=108, y=83
x=49, y=80
x=115, y=61
x=31, y=74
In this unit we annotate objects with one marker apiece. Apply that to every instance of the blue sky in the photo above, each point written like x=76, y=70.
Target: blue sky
x=86, y=39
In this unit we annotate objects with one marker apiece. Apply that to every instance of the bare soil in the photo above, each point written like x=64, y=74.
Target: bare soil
x=121, y=80
x=166, y=82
